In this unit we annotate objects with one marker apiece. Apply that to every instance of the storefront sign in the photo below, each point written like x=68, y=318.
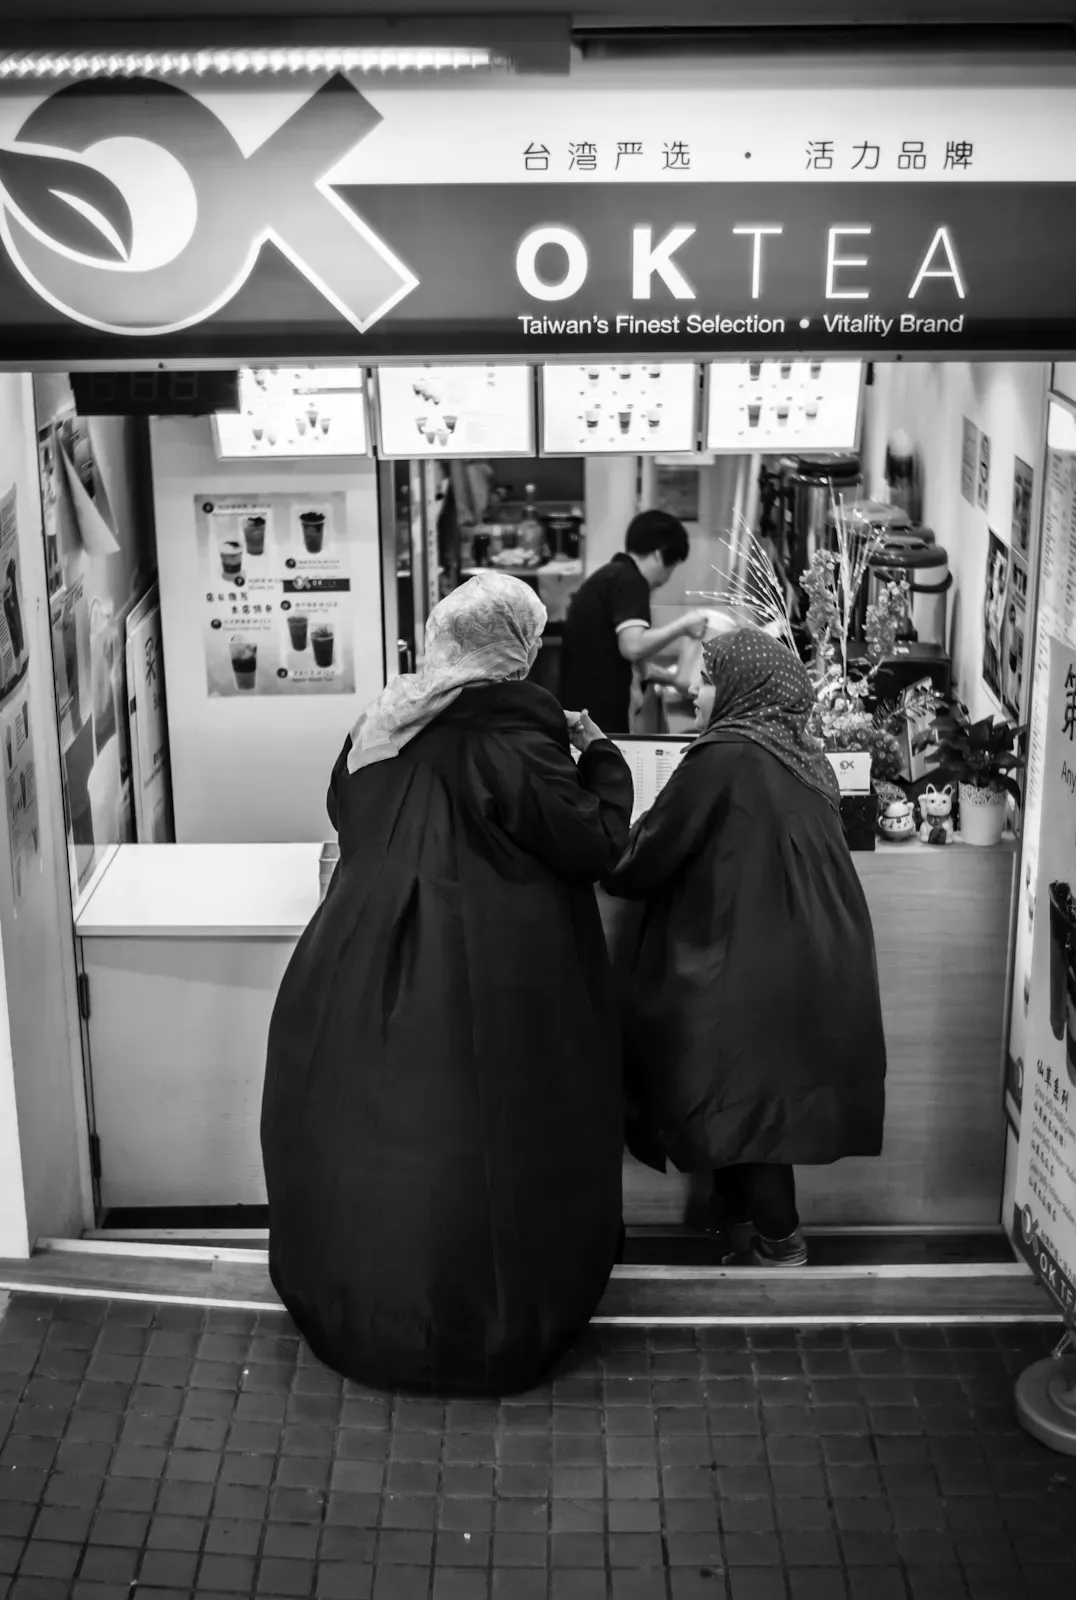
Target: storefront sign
x=1045, y=1222
x=158, y=219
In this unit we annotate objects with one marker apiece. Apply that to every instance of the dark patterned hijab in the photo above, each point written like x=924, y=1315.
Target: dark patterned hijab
x=762, y=694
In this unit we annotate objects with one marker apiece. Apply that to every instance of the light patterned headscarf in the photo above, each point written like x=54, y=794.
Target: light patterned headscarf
x=486, y=631
x=762, y=694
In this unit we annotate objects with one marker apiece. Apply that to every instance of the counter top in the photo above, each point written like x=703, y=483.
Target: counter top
x=264, y=891
x=203, y=891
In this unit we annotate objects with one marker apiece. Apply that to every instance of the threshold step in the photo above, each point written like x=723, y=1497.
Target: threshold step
x=641, y=1294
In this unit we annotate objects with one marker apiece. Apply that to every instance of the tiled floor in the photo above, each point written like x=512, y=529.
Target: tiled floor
x=168, y=1452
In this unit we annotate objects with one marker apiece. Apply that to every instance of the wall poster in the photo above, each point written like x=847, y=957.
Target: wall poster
x=14, y=650
x=151, y=776
x=969, y=462
x=1023, y=494
x=1013, y=637
x=677, y=492
x=982, y=490
x=276, y=594
x=1044, y=1225
x=997, y=588
x=20, y=791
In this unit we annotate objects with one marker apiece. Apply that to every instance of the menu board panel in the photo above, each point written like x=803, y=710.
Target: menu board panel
x=783, y=405
x=475, y=411
x=653, y=762
x=619, y=408
x=288, y=413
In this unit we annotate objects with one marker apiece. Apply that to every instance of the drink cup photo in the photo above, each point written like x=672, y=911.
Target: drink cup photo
x=653, y=417
x=300, y=425
x=624, y=418
x=450, y=423
x=244, y=655
x=782, y=416
x=754, y=413
x=231, y=559
x=592, y=417
x=324, y=425
x=298, y=628
x=755, y=370
x=254, y=535
x=323, y=641
x=313, y=526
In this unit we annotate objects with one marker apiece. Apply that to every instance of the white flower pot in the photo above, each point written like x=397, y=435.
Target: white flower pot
x=982, y=815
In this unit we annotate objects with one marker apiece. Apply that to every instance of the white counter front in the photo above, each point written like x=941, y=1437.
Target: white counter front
x=202, y=891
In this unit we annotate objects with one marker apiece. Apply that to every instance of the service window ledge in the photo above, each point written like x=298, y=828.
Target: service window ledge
x=203, y=891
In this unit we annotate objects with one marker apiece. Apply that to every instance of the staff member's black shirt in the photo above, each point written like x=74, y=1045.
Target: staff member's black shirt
x=594, y=675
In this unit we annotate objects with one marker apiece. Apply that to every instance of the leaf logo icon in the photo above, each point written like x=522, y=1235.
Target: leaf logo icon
x=73, y=205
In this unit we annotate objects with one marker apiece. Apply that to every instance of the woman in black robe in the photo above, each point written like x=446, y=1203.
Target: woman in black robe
x=753, y=1028
x=442, y=1123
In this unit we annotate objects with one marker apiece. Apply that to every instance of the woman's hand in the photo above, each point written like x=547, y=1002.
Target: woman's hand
x=582, y=729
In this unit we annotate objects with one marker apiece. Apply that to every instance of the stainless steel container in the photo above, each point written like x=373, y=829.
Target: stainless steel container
x=330, y=855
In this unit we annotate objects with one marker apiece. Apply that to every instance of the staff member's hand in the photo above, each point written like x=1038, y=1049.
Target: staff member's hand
x=696, y=624
x=582, y=729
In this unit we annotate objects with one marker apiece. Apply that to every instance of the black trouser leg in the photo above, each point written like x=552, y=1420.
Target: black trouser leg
x=759, y=1192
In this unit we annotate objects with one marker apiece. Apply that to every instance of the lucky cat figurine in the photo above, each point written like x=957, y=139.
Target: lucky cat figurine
x=936, y=811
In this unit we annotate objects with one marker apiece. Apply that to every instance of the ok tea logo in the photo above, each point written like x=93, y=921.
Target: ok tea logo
x=132, y=208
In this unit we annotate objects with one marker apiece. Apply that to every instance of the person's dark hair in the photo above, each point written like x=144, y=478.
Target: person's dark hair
x=657, y=531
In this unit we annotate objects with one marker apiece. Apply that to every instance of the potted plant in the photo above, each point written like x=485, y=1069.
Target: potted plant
x=982, y=756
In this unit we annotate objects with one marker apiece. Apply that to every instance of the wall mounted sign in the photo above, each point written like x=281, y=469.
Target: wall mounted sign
x=141, y=217
x=619, y=408
x=295, y=413
x=783, y=405
x=456, y=411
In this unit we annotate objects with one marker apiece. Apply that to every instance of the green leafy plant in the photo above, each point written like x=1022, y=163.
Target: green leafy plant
x=983, y=754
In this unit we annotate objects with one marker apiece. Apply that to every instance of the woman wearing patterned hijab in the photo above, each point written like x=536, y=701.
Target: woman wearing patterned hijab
x=753, y=1029
x=442, y=1122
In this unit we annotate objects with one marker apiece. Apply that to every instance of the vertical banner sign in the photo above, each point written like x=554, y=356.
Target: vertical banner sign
x=1056, y=619
x=1045, y=1219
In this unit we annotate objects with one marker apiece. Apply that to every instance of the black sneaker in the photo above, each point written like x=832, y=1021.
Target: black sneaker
x=790, y=1252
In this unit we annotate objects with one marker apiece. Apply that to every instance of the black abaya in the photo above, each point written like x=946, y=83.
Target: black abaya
x=753, y=1026
x=442, y=1119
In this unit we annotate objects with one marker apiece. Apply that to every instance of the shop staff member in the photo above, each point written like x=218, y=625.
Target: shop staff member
x=608, y=632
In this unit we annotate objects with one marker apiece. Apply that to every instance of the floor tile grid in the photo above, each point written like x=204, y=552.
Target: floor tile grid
x=666, y=1355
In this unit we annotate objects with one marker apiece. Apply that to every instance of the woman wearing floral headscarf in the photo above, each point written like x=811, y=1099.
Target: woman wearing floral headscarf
x=753, y=1030
x=442, y=1125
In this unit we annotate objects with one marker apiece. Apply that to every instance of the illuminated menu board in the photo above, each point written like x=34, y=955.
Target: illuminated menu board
x=294, y=413
x=783, y=405
x=619, y=408
x=455, y=411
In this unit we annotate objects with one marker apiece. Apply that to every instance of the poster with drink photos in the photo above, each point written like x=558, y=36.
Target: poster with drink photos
x=619, y=408
x=276, y=594
x=466, y=411
x=1045, y=1203
x=783, y=405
